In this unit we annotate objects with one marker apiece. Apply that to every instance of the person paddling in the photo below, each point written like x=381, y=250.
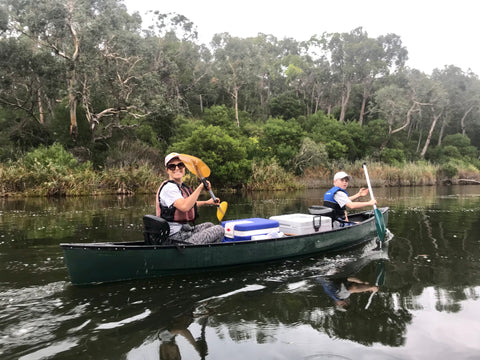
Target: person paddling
x=177, y=203
x=338, y=199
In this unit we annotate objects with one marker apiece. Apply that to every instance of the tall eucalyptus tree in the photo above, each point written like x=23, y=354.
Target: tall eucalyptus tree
x=464, y=99
x=78, y=34
x=237, y=64
x=358, y=60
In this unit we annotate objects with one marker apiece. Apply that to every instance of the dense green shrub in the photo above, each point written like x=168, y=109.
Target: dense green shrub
x=336, y=150
x=392, y=156
x=349, y=141
x=376, y=133
x=53, y=158
x=287, y=106
x=27, y=134
x=447, y=171
x=281, y=140
x=462, y=143
x=310, y=155
x=455, y=149
x=225, y=155
x=224, y=117
x=146, y=134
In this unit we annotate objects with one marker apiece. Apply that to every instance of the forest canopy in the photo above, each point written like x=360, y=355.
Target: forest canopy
x=85, y=75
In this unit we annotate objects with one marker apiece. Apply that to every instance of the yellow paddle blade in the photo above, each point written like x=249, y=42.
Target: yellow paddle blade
x=195, y=165
x=202, y=171
x=221, y=210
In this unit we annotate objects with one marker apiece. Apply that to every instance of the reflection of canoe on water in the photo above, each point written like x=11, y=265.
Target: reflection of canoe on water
x=90, y=263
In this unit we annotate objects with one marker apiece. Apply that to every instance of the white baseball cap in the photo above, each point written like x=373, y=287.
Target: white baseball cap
x=171, y=156
x=341, y=175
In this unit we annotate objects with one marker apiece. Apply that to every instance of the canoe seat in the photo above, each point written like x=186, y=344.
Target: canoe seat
x=323, y=211
x=155, y=230
x=329, y=212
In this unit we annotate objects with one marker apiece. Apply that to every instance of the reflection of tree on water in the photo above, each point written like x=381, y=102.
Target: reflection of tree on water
x=169, y=349
x=440, y=252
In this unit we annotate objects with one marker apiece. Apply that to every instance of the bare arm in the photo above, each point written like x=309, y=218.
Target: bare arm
x=359, y=204
x=185, y=204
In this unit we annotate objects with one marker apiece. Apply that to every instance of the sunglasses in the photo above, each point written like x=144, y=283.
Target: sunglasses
x=172, y=167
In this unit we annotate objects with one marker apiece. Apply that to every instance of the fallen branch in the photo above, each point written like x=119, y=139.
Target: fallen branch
x=470, y=180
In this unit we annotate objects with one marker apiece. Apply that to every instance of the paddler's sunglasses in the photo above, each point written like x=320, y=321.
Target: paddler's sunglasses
x=172, y=167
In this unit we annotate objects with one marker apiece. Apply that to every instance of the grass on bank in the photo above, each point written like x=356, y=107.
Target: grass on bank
x=80, y=180
x=17, y=180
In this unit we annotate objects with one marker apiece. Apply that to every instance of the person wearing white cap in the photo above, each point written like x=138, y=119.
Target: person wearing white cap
x=338, y=199
x=177, y=203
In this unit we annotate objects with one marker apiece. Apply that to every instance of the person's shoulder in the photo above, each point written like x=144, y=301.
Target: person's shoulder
x=341, y=193
x=169, y=186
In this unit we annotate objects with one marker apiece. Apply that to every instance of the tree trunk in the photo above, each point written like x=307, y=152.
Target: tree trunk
x=430, y=133
x=234, y=93
x=263, y=96
x=462, y=121
x=362, y=110
x=40, y=106
x=366, y=92
x=345, y=100
x=72, y=99
x=442, y=130
x=420, y=135
x=235, y=98
x=407, y=120
x=72, y=104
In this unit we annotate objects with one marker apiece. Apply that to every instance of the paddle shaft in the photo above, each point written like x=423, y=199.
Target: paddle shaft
x=205, y=185
x=196, y=166
x=221, y=208
x=379, y=221
x=379, y=281
x=369, y=184
x=202, y=171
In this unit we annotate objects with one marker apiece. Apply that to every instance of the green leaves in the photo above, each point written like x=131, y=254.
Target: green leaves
x=54, y=158
x=224, y=155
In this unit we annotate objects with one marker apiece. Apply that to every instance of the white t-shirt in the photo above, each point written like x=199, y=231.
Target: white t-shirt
x=169, y=194
x=341, y=198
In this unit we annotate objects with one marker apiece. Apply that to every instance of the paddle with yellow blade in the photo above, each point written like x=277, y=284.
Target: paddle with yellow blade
x=202, y=171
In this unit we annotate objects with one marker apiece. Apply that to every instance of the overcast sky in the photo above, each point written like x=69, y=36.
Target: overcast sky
x=435, y=33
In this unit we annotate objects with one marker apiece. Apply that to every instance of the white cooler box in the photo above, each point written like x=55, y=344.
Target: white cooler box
x=302, y=224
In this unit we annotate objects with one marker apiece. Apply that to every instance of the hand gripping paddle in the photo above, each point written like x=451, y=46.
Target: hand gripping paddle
x=202, y=171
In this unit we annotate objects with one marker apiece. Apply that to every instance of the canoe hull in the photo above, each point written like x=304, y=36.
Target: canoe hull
x=90, y=263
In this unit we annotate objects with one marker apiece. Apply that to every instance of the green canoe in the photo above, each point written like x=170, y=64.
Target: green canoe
x=93, y=263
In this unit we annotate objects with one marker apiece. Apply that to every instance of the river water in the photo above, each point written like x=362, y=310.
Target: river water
x=427, y=305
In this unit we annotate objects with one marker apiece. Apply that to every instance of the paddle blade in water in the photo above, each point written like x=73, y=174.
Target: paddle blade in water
x=380, y=224
x=380, y=274
x=221, y=210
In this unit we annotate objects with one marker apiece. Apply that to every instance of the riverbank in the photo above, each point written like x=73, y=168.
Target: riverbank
x=408, y=174
x=48, y=181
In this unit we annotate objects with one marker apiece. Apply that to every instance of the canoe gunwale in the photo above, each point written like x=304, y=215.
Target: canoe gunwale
x=140, y=245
